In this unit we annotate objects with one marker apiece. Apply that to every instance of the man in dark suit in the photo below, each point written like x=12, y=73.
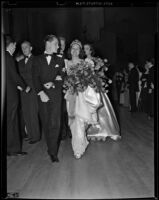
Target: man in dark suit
x=150, y=86
x=65, y=129
x=48, y=81
x=14, y=82
x=29, y=100
x=133, y=84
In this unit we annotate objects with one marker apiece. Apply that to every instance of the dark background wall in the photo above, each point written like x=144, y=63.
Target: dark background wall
x=117, y=33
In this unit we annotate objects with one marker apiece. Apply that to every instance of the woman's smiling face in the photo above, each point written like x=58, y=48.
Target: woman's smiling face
x=75, y=50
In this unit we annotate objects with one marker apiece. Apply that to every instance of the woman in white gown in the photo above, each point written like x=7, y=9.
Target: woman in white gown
x=109, y=126
x=77, y=108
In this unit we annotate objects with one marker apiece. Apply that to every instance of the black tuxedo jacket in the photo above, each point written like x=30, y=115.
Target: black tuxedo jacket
x=25, y=70
x=150, y=77
x=43, y=72
x=133, y=79
x=13, y=79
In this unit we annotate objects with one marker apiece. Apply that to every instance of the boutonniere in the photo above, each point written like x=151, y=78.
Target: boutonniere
x=56, y=65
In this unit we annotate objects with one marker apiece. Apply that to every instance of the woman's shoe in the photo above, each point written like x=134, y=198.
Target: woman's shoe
x=78, y=156
x=115, y=137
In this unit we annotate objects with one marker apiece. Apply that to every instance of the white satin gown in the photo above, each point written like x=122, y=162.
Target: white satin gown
x=90, y=116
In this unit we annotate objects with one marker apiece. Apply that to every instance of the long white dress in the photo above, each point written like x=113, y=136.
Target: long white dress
x=107, y=120
x=90, y=115
x=80, y=114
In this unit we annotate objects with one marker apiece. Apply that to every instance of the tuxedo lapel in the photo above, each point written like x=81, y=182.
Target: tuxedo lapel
x=29, y=63
x=44, y=60
x=22, y=66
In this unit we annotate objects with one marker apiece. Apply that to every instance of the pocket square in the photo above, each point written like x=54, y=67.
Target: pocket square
x=59, y=55
x=58, y=78
x=56, y=65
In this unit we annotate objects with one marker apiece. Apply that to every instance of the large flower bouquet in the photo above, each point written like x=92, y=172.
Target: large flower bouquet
x=101, y=67
x=80, y=76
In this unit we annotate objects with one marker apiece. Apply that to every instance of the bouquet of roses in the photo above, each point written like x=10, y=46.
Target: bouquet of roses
x=79, y=77
x=101, y=68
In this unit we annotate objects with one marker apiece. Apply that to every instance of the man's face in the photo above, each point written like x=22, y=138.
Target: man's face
x=149, y=64
x=53, y=45
x=26, y=49
x=130, y=66
x=12, y=47
x=62, y=45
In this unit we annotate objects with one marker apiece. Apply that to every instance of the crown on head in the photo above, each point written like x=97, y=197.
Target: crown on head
x=76, y=42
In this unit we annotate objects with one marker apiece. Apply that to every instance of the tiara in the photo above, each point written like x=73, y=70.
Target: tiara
x=76, y=42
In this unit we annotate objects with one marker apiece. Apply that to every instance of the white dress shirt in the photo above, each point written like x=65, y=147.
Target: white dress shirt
x=48, y=58
x=27, y=58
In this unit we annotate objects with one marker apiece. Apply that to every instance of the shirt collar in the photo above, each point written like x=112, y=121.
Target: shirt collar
x=29, y=55
x=9, y=52
x=45, y=52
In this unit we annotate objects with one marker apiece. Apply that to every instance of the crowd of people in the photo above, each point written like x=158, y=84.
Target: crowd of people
x=36, y=101
x=135, y=87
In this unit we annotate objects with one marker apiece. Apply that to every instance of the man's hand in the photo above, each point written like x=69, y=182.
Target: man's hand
x=152, y=85
x=150, y=91
x=43, y=96
x=27, y=89
x=19, y=88
x=49, y=85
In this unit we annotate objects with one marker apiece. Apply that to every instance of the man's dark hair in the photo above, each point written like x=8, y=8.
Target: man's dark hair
x=151, y=60
x=49, y=38
x=26, y=41
x=8, y=39
x=62, y=38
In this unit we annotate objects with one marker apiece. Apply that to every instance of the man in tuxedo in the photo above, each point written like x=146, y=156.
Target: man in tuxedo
x=48, y=81
x=150, y=85
x=29, y=100
x=65, y=129
x=133, y=84
x=14, y=82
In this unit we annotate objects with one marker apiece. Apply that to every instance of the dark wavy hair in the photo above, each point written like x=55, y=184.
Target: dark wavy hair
x=91, y=48
x=81, y=54
x=151, y=60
